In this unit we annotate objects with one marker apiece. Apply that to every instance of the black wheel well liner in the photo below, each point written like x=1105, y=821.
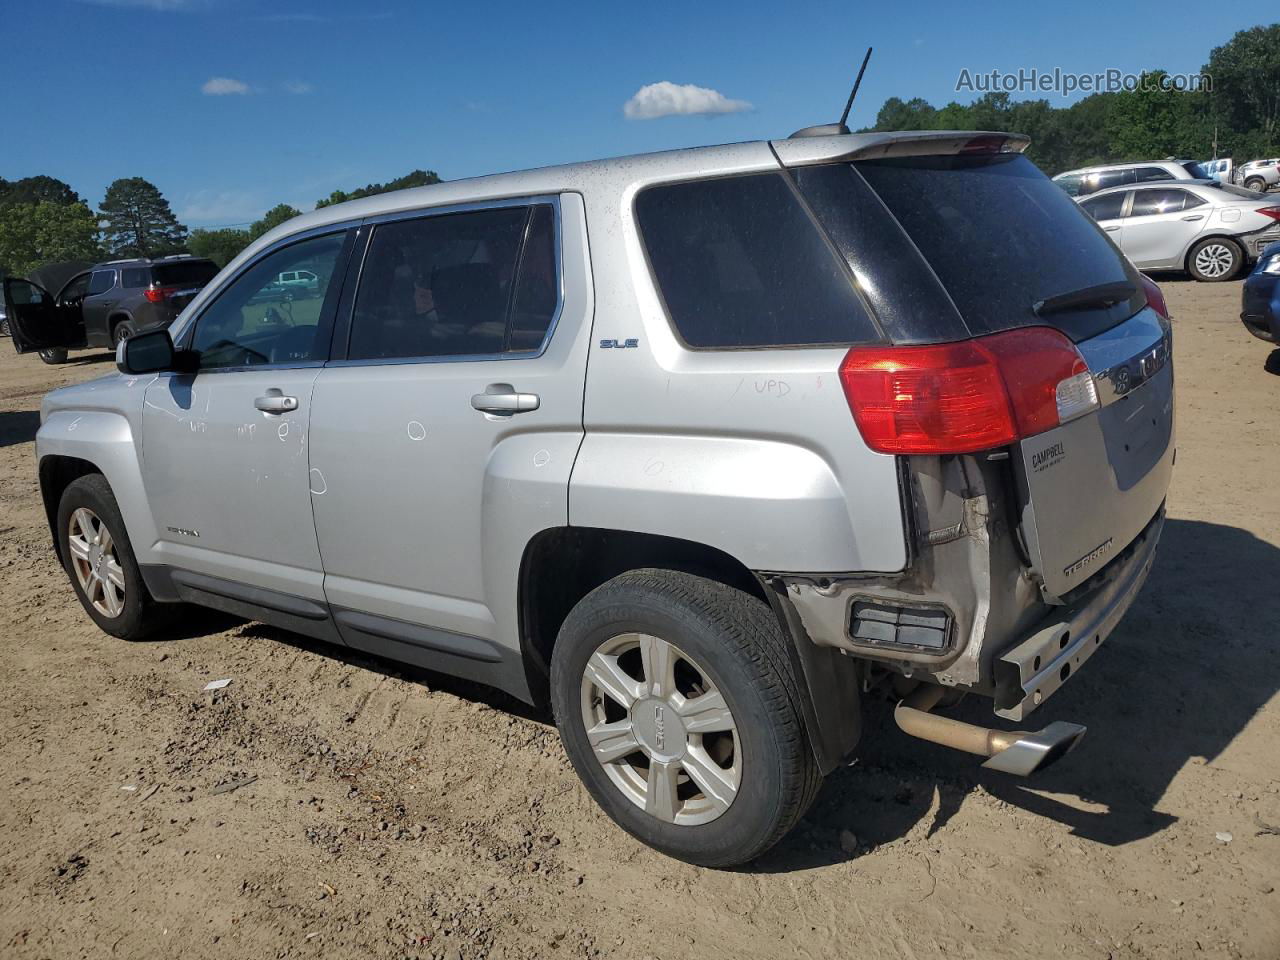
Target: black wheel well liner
x=56, y=474
x=580, y=559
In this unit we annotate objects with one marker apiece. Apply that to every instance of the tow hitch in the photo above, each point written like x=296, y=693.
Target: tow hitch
x=1016, y=751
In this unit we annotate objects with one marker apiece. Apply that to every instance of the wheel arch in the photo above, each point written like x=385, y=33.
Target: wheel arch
x=582, y=558
x=57, y=472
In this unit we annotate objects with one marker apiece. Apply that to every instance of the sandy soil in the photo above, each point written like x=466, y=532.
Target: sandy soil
x=401, y=814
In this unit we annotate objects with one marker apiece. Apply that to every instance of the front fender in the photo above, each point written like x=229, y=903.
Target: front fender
x=106, y=440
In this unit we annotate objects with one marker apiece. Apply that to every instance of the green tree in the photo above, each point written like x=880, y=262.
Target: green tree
x=1246, y=82
x=37, y=189
x=277, y=215
x=32, y=234
x=220, y=246
x=418, y=178
x=138, y=221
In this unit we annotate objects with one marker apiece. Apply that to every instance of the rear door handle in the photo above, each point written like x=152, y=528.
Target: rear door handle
x=276, y=402
x=1195, y=216
x=502, y=398
x=1111, y=229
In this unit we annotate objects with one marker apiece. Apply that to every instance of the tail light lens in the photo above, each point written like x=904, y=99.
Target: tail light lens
x=1155, y=296
x=159, y=294
x=1272, y=212
x=966, y=396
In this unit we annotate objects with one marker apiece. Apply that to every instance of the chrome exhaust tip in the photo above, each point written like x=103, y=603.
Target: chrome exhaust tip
x=1017, y=752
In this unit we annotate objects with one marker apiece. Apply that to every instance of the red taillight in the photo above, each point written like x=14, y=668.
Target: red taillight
x=966, y=396
x=1155, y=296
x=1272, y=212
x=158, y=294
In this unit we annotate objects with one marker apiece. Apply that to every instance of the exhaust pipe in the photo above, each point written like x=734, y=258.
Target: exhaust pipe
x=1016, y=752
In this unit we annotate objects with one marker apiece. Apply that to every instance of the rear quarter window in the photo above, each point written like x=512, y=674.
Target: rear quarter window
x=739, y=263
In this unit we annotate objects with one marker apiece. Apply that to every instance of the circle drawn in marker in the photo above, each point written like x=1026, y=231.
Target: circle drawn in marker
x=416, y=430
x=542, y=458
x=318, y=486
x=282, y=431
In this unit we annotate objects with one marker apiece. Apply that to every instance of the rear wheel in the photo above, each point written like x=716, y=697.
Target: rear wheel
x=1215, y=259
x=1256, y=183
x=99, y=560
x=677, y=705
x=54, y=355
x=121, y=332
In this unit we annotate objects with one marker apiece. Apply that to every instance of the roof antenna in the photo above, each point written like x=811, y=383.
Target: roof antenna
x=834, y=129
x=854, y=92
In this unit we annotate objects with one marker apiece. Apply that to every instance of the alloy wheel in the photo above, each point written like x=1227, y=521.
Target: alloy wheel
x=94, y=560
x=662, y=731
x=1214, y=260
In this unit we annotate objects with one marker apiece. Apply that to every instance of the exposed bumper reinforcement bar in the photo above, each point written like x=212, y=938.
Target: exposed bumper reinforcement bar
x=1016, y=752
x=1029, y=672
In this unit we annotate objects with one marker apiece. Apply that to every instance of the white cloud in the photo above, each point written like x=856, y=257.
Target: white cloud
x=667, y=99
x=298, y=87
x=223, y=86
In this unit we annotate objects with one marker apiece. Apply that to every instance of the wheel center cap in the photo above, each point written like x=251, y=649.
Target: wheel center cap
x=659, y=729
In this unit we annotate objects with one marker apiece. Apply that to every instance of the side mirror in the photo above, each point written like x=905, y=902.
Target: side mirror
x=146, y=353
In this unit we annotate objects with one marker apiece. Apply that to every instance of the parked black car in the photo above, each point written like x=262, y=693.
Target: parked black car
x=98, y=306
x=1260, y=301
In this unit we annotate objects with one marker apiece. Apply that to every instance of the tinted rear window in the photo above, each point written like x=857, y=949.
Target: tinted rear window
x=740, y=264
x=1001, y=236
x=196, y=274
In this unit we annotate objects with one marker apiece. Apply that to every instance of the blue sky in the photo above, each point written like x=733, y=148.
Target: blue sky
x=231, y=106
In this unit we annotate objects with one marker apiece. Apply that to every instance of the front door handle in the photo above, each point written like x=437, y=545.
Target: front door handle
x=1194, y=216
x=276, y=402
x=502, y=398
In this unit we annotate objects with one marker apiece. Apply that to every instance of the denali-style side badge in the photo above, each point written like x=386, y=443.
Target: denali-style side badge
x=619, y=344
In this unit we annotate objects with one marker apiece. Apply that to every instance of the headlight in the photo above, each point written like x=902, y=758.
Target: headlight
x=1272, y=265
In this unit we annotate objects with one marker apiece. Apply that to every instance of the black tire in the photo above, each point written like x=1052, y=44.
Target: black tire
x=4, y=327
x=121, y=331
x=735, y=640
x=1256, y=183
x=54, y=355
x=140, y=614
x=1221, y=269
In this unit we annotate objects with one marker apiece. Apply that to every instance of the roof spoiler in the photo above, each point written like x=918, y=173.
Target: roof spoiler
x=819, y=147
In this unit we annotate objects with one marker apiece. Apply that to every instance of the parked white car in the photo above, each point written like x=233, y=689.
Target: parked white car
x=1260, y=175
x=1207, y=228
x=1087, y=180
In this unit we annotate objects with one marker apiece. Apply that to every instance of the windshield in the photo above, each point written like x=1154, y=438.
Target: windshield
x=191, y=273
x=1002, y=237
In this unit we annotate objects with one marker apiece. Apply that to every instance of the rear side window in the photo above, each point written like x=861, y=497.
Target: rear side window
x=134, y=277
x=1001, y=237
x=101, y=281
x=740, y=264
x=1071, y=183
x=462, y=284
x=1149, y=203
x=1148, y=174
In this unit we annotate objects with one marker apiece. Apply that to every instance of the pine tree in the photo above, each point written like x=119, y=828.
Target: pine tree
x=137, y=221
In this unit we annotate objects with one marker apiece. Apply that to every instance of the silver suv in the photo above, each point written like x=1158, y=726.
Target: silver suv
x=702, y=448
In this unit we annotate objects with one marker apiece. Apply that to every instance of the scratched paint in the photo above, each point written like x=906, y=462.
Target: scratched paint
x=416, y=430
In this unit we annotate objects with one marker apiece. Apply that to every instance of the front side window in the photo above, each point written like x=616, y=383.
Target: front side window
x=1150, y=203
x=1105, y=208
x=740, y=264
x=101, y=281
x=256, y=321
x=478, y=283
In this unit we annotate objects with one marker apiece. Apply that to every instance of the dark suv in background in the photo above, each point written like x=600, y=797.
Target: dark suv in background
x=111, y=302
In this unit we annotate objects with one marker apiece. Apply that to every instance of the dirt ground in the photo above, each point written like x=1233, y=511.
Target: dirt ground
x=403, y=814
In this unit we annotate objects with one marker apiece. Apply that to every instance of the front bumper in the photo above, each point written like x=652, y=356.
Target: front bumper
x=1032, y=670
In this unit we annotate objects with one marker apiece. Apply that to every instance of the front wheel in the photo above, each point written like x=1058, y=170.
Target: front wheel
x=54, y=355
x=1215, y=259
x=100, y=563
x=1256, y=183
x=678, y=707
